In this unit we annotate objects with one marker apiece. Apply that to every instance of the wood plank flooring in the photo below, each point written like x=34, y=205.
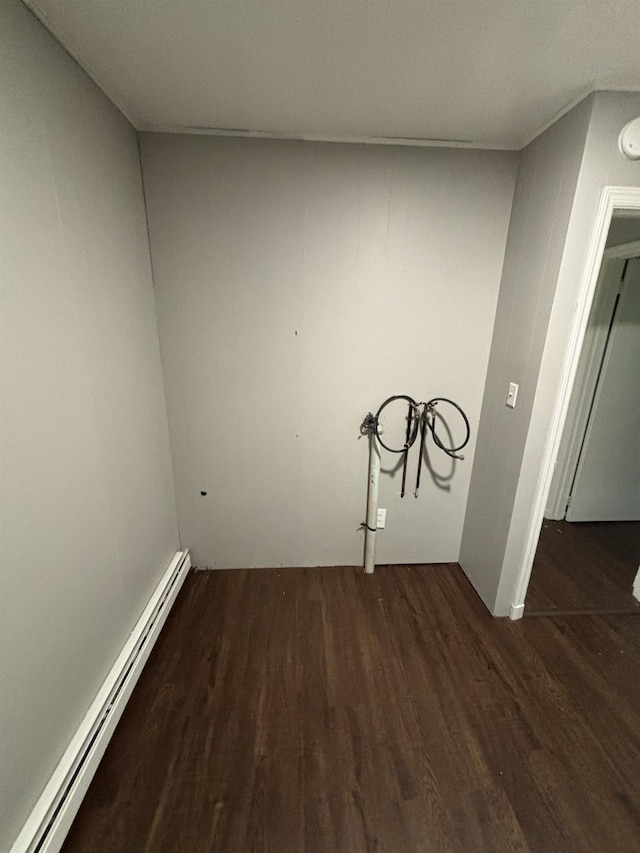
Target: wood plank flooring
x=325, y=711
x=585, y=567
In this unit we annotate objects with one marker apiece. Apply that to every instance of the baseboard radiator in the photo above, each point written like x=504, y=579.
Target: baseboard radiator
x=53, y=814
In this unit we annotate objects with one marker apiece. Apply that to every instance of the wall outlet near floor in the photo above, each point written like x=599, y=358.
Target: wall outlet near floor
x=381, y=519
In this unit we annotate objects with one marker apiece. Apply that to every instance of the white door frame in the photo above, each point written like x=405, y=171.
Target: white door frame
x=611, y=199
x=584, y=386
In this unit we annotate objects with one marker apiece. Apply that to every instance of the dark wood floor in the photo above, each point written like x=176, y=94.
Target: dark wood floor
x=325, y=711
x=585, y=567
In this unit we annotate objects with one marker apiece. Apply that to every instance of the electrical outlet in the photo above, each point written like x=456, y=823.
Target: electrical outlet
x=381, y=519
x=512, y=396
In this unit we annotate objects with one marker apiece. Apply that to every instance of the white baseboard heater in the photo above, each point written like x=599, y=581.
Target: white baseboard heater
x=53, y=814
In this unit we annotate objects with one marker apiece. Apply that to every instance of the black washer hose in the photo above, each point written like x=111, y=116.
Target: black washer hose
x=450, y=451
x=430, y=422
x=411, y=436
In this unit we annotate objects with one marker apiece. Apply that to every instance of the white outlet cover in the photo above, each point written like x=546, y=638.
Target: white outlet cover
x=381, y=518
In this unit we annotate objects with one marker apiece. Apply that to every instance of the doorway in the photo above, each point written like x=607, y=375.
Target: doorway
x=588, y=554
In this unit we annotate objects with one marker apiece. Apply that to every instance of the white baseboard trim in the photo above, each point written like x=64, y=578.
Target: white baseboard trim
x=516, y=611
x=52, y=816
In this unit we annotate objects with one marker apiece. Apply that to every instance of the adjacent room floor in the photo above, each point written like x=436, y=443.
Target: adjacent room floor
x=325, y=711
x=585, y=567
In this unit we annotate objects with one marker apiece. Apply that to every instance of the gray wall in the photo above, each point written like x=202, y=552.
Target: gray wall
x=298, y=286
x=545, y=190
x=624, y=229
x=557, y=210
x=87, y=506
x=602, y=165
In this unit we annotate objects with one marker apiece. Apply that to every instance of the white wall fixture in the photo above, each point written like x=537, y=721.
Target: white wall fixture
x=371, y=524
x=630, y=140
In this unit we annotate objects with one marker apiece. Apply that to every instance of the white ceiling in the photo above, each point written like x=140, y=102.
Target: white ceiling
x=490, y=72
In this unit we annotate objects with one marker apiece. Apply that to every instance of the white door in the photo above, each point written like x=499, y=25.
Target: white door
x=607, y=481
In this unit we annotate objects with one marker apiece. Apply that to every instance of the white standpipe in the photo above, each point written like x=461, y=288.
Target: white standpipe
x=372, y=505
